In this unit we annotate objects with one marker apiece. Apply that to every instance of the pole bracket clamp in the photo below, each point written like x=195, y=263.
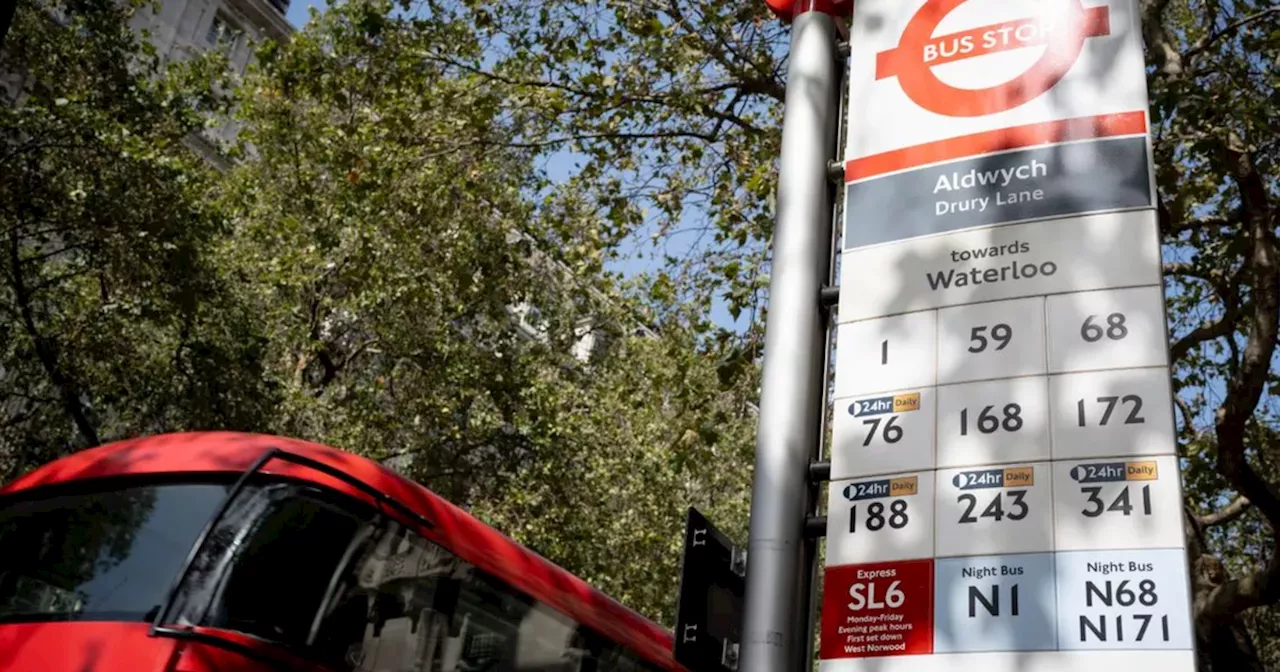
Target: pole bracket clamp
x=815, y=527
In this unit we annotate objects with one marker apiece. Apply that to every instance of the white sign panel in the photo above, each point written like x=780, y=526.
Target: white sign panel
x=1097, y=252
x=994, y=510
x=1124, y=412
x=1002, y=339
x=883, y=434
x=880, y=519
x=993, y=422
x=1122, y=503
x=886, y=354
x=1123, y=600
x=1006, y=489
x=1115, y=329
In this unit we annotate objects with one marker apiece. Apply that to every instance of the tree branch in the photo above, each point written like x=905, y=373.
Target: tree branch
x=1247, y=383
x=1208, y=40
x=1226, y=514
x=47, y=352
x=1208, y=331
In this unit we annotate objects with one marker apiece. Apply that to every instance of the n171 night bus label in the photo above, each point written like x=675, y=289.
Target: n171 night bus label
x=881, y=609
x=1123, y=600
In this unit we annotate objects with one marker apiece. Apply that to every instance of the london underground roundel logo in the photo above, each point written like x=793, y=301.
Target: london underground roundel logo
x=919, y=51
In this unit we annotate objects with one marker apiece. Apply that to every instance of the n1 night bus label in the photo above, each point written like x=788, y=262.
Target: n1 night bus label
x=1123, y=600
x=1131, y=503
x=877, y=519
x=994, y=510
x=880, y=609
x=884, y=433
x=995, y=603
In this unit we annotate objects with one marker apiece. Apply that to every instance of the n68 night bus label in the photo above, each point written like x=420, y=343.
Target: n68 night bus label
x=877, y=519
x=1123, y=600
x=1123, y=503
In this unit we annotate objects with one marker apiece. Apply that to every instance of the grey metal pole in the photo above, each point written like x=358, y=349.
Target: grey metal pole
x=791, y=398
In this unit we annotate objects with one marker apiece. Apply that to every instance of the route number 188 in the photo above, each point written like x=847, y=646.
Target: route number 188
x=875, y=518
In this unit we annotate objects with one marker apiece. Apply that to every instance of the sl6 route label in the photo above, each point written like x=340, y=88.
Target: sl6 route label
x=881, y=609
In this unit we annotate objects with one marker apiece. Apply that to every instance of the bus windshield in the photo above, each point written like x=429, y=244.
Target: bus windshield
x=105, y=555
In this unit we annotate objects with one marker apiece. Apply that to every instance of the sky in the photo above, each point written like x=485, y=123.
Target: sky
x=298, y=11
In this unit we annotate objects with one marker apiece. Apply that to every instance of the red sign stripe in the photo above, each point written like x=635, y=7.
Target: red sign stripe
x=1030, y=135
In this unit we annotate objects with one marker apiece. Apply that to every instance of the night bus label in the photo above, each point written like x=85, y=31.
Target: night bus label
x=995, y=603
x=1123, y=600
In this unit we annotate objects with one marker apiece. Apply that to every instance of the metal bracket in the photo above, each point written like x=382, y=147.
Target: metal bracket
x=835, y=172
x=815, y=527
x=738, y=562
x=819, y=472
x=829, y=296
x=729, y=654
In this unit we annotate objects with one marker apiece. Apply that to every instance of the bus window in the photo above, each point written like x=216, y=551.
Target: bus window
x=106, y=555
x=404, y=603
x=266, y=567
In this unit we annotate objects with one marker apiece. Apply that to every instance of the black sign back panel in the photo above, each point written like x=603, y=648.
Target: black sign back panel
x=709, y=613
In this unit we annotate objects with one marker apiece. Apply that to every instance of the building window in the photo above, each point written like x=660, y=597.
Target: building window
x=223, y=34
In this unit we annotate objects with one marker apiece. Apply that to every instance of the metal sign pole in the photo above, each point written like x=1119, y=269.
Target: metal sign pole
x=791, y=397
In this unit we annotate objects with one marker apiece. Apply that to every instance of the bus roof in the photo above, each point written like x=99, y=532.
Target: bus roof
x=483, y=546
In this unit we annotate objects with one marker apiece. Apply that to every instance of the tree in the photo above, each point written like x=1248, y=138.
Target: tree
x=674, y=106
x=1213, y=87
x=393, y=254
x=112, y=322
x=653, y=431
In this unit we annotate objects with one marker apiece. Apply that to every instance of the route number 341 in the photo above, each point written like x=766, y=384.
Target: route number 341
x=1096, y=505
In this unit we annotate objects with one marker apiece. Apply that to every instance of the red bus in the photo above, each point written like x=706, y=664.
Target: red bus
x=208, y=552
